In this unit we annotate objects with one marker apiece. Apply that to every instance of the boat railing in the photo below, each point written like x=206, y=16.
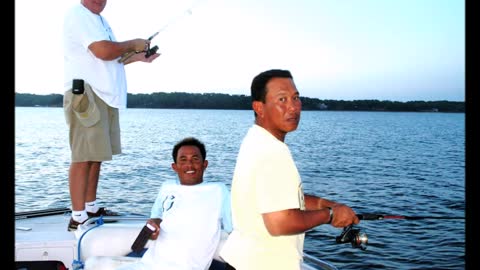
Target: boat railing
x=317, y=263
x=41, y=213
x=100, y=219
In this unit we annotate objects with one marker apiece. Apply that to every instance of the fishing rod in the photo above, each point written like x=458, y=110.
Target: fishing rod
x=42, y=213
x=358, y=239
x=381, y=217
x=150, y=51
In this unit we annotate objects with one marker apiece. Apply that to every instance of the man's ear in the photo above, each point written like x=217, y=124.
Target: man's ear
x=258, y=107
x=205, y=164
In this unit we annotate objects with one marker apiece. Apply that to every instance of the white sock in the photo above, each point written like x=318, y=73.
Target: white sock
x=79, y=216
x=91, y=207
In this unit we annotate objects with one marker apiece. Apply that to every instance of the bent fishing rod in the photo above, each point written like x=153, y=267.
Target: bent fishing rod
x=150, y=51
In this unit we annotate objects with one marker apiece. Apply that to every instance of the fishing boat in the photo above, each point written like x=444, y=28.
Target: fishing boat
x=43, y=242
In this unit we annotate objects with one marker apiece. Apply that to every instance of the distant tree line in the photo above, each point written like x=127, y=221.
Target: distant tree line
x=182, y=100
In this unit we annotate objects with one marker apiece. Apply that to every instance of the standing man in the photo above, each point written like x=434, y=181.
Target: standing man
x=91, y=103
x=269, y=210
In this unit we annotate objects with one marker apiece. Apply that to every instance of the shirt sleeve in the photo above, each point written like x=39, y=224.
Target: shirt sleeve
x=87, y=28
x=157, y=208
x=226, y=210
x=278, y=183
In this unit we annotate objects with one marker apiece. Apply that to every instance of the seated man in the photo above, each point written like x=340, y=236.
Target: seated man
x=188, y=215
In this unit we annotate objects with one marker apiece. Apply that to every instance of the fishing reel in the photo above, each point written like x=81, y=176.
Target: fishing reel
x=353, y=235
x=148, y=52
x=151, y=51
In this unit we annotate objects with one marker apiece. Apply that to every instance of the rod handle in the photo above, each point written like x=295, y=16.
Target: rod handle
x=126, y=56
x=370, y=217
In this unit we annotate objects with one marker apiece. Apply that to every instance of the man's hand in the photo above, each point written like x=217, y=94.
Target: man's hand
x=155, y=222
x=343, y=216
x=141, y=58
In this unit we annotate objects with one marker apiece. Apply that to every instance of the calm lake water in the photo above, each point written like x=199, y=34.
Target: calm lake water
x=410, y=164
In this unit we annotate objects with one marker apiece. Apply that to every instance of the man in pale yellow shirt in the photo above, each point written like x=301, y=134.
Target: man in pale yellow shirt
x=269, y=210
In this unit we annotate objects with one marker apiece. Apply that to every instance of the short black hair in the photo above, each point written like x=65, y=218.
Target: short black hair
x=259, y=83
x=189, y=141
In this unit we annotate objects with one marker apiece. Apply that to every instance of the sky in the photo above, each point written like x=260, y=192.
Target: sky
x=397, y=50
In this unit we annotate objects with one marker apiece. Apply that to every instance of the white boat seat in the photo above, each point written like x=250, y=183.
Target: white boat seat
x=110, y=239
x=105, y=247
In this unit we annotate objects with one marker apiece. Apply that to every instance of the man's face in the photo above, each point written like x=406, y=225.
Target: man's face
x=190, y=165
x=95, y=6
x=280, y=113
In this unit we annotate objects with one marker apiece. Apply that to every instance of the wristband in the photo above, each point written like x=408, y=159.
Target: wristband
x=331, y=215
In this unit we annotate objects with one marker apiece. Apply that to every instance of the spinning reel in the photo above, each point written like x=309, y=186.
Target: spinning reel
x=353, y=235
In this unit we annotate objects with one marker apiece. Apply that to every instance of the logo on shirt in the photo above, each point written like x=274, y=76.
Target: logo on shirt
x=168, y=202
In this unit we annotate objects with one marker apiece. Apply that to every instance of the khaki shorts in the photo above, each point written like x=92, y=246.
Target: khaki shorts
x=97, y=142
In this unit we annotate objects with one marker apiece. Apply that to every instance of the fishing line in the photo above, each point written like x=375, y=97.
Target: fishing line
x=381, y=217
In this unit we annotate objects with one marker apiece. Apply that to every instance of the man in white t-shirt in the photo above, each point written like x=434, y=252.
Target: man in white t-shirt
x=269, y=209
x=189, y=216
x=95, y=89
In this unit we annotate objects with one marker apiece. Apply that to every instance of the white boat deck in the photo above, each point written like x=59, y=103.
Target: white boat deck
x=45, y=238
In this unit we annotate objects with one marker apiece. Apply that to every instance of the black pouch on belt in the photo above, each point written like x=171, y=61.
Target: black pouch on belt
x=78, y=86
